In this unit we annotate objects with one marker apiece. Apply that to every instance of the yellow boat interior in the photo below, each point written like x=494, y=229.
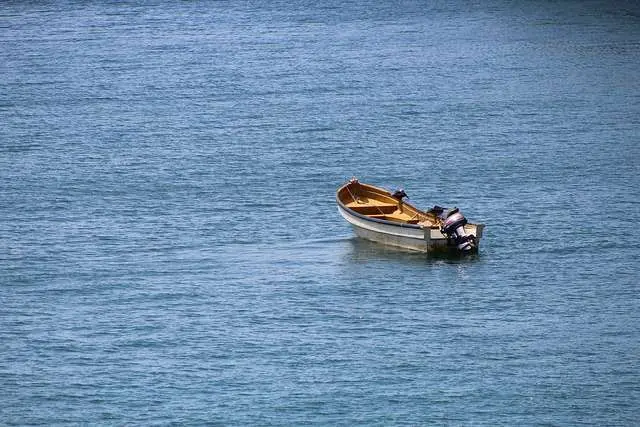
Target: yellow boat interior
x=374, y=202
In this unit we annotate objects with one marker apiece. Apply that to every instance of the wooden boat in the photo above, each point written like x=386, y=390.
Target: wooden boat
x=381, y=216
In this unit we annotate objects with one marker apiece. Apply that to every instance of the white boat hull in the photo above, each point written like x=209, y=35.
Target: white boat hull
x=407, y=236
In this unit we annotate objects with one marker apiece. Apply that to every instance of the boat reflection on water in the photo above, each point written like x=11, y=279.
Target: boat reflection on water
x=362, y=250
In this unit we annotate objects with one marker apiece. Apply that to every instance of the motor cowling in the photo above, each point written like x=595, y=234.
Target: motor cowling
x=399, y=194
x=453, y=228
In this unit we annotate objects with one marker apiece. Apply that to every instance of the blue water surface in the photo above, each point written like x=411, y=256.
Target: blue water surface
x=170, y=248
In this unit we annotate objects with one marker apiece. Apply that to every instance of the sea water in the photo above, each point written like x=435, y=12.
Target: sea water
x=171, y=251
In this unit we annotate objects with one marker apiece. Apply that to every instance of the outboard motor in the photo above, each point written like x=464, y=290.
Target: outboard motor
x=453, y=228
x=399, y=194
